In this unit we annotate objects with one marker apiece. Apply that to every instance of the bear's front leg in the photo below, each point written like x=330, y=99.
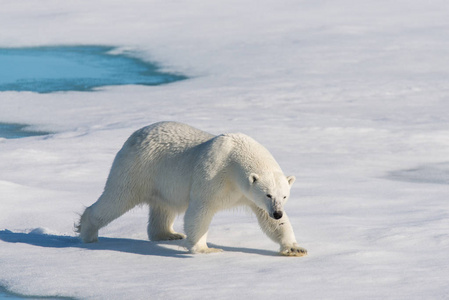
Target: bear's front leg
x=196, y=225
x=280, y=231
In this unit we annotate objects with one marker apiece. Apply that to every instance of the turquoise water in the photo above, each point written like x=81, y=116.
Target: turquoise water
x=16, y=131
x=74, y=68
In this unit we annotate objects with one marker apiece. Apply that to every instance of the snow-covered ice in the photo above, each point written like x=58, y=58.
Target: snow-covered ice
x=349, y=96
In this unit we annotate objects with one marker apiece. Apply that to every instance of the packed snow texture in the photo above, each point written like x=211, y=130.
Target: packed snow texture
x=349, y=96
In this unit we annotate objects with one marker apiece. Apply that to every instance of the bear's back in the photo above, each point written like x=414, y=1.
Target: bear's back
x=167, y=137
x=175, y=144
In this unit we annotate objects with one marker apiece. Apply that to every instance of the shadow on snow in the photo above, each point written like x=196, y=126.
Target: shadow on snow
x=113, y=244
x=132, y=246
x=436, y=173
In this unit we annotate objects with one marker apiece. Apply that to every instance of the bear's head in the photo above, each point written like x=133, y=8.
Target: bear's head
x=269, y=191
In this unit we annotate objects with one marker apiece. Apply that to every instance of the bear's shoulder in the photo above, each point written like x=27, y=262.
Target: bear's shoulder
x=246, y=150
x=243, y=141
x=239, y=138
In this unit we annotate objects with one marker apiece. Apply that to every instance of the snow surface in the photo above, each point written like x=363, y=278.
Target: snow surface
x=350, y=96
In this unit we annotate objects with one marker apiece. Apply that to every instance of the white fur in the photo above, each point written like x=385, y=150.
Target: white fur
x=176, y=168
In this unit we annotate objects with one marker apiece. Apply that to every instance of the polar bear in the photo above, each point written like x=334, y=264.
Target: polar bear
x=176, y=168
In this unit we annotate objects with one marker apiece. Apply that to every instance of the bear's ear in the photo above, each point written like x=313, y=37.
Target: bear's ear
x=253, y=178
x=291, y=179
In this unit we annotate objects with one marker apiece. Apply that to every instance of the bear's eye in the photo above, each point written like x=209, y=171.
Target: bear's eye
x=285, y=197
x=269, y=196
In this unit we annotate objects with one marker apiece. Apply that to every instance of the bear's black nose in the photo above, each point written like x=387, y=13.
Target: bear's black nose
x=277, y=215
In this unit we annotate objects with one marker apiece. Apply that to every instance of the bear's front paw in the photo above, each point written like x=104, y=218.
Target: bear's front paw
x=293, y=250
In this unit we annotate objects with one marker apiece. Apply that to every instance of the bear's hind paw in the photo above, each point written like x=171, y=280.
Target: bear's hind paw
x=176, y=236
x=206, y=250
x=167, y=236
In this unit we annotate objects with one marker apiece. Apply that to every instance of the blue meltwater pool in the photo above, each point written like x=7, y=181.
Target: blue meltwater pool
x=4, y=294
x=75, y=68
x=17, y=131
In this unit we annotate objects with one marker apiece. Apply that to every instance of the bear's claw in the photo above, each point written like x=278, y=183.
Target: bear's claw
x=294, y=250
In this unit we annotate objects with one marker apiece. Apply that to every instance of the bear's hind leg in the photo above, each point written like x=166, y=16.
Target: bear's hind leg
x=100, y=214
x=87, y=229
x=160, y=224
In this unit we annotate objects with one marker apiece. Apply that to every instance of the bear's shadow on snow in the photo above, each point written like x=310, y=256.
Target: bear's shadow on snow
x=244, y=250
x=132, y=246
x=140, y=247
